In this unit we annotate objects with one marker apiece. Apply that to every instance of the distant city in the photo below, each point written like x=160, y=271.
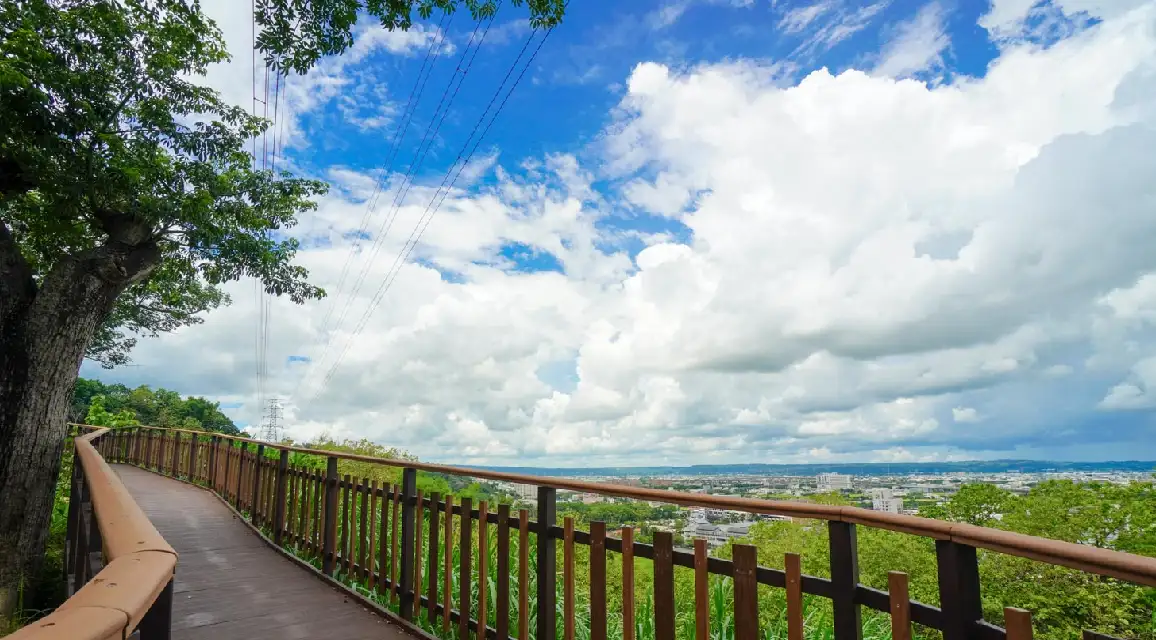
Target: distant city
x=904, y=488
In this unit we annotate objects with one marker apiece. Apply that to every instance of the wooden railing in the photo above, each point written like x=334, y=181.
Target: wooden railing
x=119, y=570
x=398, y=543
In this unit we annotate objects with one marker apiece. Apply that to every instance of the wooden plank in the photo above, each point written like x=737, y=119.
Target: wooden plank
x=524, y=574
x=329, y=552
x=281, y=477
x=701, y=591
x=448, y=565
x=597, y=581
x=502, y=605
x=959, y=590
x=664, y=585
x=465, y=546
x=383, y=543
x=628, y=625
x=547, y=559
x=405, y=587
x=346, y=538
x=794, y=570
x=393, y=544
x=372, y=558
x=362, y=532
x=434, y=527
x=483, y=566
x=419, y=530
x=1018, y=623
x=900, y=605
x=745, y=558
x=318, y=524
x=844, y=551
x=568, y=579
x=261, y=596
x=294, y=532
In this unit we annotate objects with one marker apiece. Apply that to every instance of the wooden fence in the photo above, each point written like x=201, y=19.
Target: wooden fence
x=400, y=542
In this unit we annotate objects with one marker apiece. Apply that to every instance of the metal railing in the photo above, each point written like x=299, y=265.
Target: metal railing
x=398, y=543
x=119, y=570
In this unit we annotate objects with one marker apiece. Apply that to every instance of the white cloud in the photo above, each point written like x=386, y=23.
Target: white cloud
x=917, y=45
x=873, y=265
x=965, y=415
x=1011, y=19
x=830, y=28
x=800, y=18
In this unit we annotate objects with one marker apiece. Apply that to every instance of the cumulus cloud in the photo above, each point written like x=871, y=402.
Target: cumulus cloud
x=864, y=268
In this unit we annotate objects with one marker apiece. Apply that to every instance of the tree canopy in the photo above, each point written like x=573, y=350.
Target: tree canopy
x=115, y=405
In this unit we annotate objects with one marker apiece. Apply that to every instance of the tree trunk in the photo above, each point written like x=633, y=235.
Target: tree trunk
x=44, y=332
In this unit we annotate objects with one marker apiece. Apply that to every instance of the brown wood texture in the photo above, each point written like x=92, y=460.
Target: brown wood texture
x=465, y=548
x=1137, y=569
x=664, y=585
x=502, y=604
x=568, y=579
x=291, y=514
x=483, y=568
x=597, y=581
x=447, y=597
x=628, y=626
x=346, y=518
x=373, y=519
x=362, y=531
x=794, y=569
x=900, y=606
x=1018, y=623
x=701, y=591
x=419, y=528
x=261, y=595
x=524, y=574
x=393, y=543
x=746, y=592
x=383, y=543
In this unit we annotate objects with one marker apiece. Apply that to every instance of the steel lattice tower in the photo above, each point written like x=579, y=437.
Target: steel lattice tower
x=271, y=430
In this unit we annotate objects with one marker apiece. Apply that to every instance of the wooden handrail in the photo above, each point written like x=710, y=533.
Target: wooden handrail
x=1105, y=562
x=138, y=563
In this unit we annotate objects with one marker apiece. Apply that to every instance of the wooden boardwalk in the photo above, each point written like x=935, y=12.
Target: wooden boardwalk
x=230, y=584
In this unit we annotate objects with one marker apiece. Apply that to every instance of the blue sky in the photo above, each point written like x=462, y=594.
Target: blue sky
x=716, y=230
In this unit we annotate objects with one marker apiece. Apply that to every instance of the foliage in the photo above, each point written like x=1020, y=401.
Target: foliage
x=115, y=405
x=113, y=151
x=295, y=34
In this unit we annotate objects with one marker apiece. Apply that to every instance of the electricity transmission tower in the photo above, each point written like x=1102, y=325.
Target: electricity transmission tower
x=271, y=430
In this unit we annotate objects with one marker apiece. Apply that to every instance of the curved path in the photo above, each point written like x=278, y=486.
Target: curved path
x=230, y=584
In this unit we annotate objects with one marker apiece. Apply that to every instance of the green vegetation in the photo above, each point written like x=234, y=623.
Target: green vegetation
x=127, y=199
x=1063, y=601
x=115, y=405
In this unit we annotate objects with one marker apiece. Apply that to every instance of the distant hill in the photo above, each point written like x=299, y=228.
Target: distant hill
x=858, y=469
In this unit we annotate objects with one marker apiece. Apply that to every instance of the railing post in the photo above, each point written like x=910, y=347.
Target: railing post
x=279, y=492
x=73, y=504
x=149, y=453
x=844, y=580
x=255, y=503
x=330, y=518
x=136, y=446
x=157, y=623
x=240, y=473
x=547, y=561
x=959, y=591
x=213, y=444
x=408, y=498
x=175, y=464
x=194, y=441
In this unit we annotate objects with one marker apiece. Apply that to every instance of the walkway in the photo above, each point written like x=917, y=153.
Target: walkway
x=230, y=584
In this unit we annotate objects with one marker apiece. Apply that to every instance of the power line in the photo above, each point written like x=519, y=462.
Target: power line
x=384, y=170
x=424, y=146
x=435, y=204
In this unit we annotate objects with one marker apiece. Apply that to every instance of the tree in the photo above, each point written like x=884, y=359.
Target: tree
x=127, y=199
x=119, y=214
